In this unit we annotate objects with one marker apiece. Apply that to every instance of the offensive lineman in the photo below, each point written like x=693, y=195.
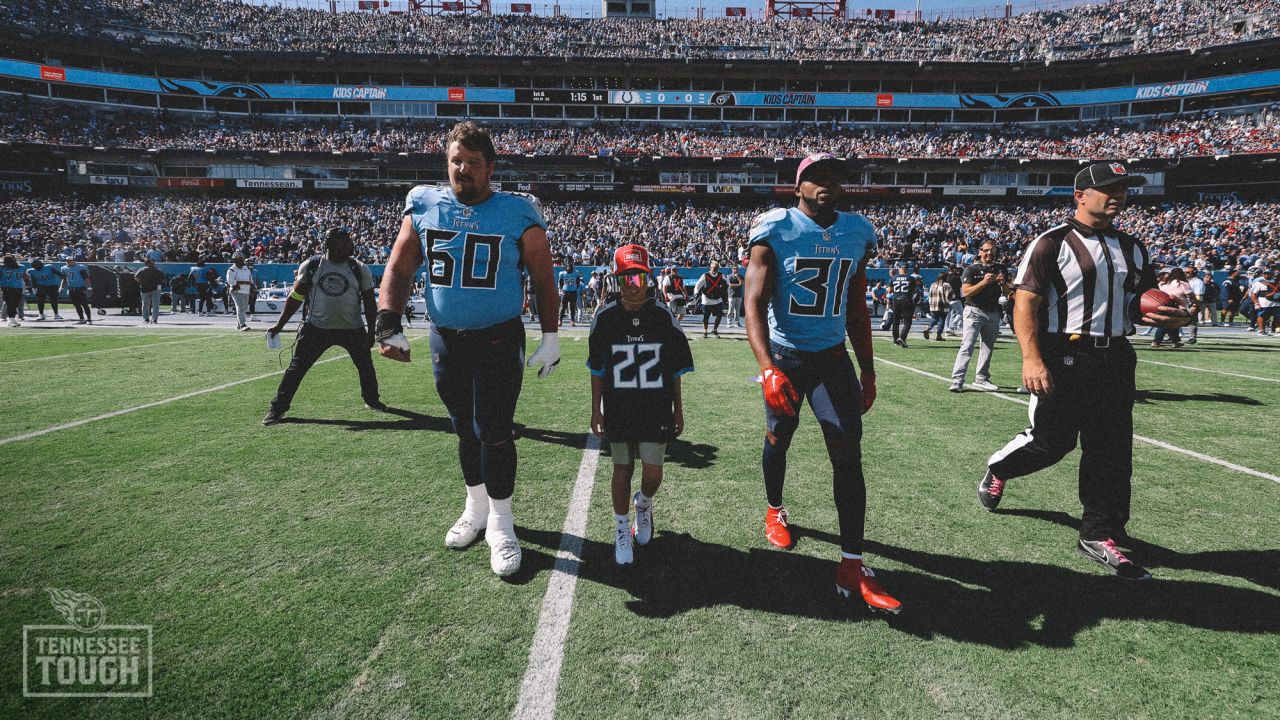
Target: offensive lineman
x=804, y=293
x=475, y=241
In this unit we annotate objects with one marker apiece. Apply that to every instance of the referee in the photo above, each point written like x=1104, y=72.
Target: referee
x=1071, y=312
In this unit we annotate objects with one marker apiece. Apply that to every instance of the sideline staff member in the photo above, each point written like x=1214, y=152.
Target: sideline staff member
x=335, y=286
x=1071, y=312
x=982, y=285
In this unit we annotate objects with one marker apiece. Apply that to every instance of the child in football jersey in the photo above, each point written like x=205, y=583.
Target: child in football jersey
x=637, y=354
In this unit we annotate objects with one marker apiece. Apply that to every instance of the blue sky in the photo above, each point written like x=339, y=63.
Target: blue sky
x=715, y=8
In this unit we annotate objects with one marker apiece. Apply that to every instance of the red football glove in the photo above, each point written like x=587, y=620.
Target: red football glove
x=868, y=391
x=779, y=393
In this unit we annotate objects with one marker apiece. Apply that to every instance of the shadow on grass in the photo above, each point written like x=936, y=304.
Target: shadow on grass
x=1149, y=396
x=676, y=573
x=998, y=603
x=411, y=420
x=682, y=453
x=1261, y=567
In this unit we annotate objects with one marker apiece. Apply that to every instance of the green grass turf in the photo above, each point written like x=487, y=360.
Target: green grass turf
x=299, y=570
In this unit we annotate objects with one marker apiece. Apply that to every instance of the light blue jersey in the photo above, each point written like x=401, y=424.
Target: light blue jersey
x=570, y=281
x=472, y=254
x=812, y=268
x=75, y=275
x=46, y=276
x=11, y=278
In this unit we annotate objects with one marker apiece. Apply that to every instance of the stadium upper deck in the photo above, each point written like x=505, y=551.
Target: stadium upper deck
x=1098, y=31
x=1136, y=85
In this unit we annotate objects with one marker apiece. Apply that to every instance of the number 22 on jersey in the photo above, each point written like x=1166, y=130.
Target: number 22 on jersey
x=637, y=369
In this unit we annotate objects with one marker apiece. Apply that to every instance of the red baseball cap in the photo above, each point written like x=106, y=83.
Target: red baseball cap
x=814, y=159
x=629, y=258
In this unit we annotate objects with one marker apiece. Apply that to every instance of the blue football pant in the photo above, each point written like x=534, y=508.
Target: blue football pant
x=827, y=379
x=478, y=374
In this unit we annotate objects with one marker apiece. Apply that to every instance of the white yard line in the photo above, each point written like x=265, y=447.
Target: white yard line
x=1150, y=441
x=157, y=403
x=104, y=350
x=542, y=676
x=1206, y=370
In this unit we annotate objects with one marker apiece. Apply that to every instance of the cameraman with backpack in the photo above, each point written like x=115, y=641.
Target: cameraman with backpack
x=338, y=290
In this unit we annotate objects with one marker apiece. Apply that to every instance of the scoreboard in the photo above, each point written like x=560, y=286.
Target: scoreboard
x=563, y=97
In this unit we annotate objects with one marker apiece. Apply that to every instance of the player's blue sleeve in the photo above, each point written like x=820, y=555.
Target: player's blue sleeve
x=596, y=351
x=762, y=227
x=869, y=231
x=531, y=209
x=418, y=199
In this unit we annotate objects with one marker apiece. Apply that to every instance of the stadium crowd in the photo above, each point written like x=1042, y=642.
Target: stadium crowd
x=176, y=229
x=1091, y=31
x=1203, y=134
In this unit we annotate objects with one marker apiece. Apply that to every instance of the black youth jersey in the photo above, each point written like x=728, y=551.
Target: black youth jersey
x=638, y=355
x=902, y=287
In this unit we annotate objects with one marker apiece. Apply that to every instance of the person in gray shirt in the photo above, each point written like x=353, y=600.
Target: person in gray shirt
x=150, y=284
x=338, y=290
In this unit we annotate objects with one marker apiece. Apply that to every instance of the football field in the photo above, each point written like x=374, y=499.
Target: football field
x=299, y=570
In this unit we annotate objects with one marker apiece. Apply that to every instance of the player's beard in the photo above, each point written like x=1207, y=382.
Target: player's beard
x=467, y=190
x=822, y=202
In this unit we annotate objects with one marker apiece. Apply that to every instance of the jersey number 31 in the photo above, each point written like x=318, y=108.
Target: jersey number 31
x=814, y=275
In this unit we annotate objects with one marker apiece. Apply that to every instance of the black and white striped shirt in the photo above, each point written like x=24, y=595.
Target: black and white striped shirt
x=1087, y=278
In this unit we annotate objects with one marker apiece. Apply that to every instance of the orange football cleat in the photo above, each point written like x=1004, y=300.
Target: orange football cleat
x=775, y=527
x=852, y=576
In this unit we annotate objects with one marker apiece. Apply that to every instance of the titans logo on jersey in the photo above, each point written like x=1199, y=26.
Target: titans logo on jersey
x=812, y=266
x=472, y=254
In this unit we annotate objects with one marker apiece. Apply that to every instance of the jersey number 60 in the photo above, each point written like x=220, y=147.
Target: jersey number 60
x=440, y=263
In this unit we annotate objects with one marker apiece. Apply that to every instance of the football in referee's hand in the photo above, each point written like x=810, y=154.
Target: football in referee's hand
x=1150, y=302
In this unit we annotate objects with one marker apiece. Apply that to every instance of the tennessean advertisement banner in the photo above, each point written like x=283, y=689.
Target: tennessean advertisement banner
x=270, y=184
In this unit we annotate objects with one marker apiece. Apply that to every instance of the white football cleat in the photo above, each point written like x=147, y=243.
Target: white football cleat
x=622, y=550
x=504, y=551
x=57, y=317
x=644, y=521
x=464, y=532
